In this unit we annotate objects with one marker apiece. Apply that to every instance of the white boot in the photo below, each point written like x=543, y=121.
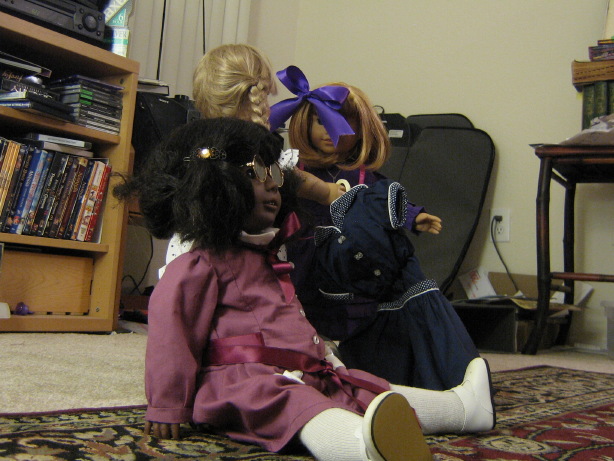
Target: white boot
x=475, y=394
x=391, y=431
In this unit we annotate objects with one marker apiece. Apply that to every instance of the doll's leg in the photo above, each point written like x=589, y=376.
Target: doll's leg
x=389, y=431
x=465, y=408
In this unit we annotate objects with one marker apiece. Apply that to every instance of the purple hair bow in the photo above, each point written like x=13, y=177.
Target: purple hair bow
x=327, y=101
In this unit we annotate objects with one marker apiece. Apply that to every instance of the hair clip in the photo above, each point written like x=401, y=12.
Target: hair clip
x=210, y=153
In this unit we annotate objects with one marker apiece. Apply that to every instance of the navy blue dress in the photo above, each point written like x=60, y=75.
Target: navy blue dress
x=415, y=338
x=419, y=341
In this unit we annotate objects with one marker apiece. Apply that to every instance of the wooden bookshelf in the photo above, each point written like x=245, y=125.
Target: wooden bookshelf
x=71, y=286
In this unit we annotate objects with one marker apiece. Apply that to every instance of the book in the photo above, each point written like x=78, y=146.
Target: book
x=26, y=192
x=3, y=149
x=601, y=99
x=55, y=147
x=59, y=140
x=46, y=200
x=21, y=64
x=98, y=126
x=93, y=117
x=588, y=105
x=148, y=85
x=87, y=114
x=27, y=95
x=9, y=154
x=96, y=109
x=86, y=81
x=21, y=164
x=107, y=127
x=601, y=52
x=8, y=85
x=60, y=194
x=39, y=108
x=88, y=201
x=610, y=84
x=72, y=196
x=11, y=95
x=30, y=209
x=94, y=217
x=75, y=173
x=92, y=195
x=81, y=194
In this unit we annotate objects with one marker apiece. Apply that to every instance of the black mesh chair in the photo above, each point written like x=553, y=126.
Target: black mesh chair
x=418, y=122
x=445, y=167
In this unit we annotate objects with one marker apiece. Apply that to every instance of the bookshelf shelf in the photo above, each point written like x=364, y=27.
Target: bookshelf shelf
x=71, y=286
x=30, y=241
x=13, y=118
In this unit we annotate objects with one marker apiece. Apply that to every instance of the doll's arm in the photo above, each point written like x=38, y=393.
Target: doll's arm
x=313, y=188
x=181, y=310
x=427, y=223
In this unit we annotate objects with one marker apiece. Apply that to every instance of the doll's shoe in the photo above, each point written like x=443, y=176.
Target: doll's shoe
x=391, y=431
x=477, y=398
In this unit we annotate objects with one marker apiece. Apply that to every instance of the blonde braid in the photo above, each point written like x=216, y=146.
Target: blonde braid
x=259, y=106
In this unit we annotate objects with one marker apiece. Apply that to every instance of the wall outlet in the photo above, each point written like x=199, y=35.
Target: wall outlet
x=501, y=228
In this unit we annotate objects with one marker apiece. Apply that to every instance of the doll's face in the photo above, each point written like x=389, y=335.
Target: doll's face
x=321, y=140
x=267, y=201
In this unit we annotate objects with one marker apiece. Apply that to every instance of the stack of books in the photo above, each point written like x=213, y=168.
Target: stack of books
x=603, y=51
x=595, y=79
x=21, y=88
x=95, y=104
x=35, y=100
x=48, y=188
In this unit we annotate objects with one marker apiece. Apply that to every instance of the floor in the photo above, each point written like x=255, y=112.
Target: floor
x=560, y=356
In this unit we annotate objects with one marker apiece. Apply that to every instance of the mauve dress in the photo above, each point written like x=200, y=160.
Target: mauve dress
x=236, y=296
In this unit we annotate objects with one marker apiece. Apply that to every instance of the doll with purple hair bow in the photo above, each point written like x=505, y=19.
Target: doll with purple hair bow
x=327, y=101
x=359, y=282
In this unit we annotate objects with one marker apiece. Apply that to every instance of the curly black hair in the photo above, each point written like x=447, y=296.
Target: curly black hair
x=205, y=200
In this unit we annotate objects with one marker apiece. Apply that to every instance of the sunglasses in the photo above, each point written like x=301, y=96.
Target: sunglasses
x=260, y=171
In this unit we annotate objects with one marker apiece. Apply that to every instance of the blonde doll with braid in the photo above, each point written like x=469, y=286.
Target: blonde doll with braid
x=235, y=80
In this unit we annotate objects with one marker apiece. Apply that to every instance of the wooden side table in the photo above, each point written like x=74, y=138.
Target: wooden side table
x=569, y=166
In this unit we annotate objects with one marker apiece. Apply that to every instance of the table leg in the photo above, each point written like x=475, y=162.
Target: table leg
x=543, y=256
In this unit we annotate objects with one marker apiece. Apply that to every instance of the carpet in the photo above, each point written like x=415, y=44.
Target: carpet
x=544, y=413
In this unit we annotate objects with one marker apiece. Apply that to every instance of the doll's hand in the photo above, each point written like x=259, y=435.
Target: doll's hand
x=335, y=191
x=162, y=430
x=428, y=223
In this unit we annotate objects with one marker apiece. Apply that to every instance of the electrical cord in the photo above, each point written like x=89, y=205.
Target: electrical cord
x=493, y=224
x=136, y=284
x=158, y=70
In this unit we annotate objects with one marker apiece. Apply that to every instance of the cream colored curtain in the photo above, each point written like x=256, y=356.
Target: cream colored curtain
x=182, y=29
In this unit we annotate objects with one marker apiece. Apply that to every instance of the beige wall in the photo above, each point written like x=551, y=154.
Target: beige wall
x=504, y=64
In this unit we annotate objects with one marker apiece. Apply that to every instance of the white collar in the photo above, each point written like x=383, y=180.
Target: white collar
x=262, y=239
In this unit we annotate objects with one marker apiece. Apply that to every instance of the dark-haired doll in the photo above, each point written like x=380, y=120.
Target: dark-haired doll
x=228, y=342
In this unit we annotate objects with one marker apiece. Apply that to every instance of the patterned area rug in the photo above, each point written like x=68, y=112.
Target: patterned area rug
x=544, y=413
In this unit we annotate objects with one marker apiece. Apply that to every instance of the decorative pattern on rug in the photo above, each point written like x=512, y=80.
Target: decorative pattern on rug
x=544, y=413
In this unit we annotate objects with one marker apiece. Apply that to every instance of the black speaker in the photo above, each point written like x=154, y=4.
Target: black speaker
x=155, y=117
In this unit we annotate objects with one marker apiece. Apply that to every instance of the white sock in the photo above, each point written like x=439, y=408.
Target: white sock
x=437, y=411
x=334, y=435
